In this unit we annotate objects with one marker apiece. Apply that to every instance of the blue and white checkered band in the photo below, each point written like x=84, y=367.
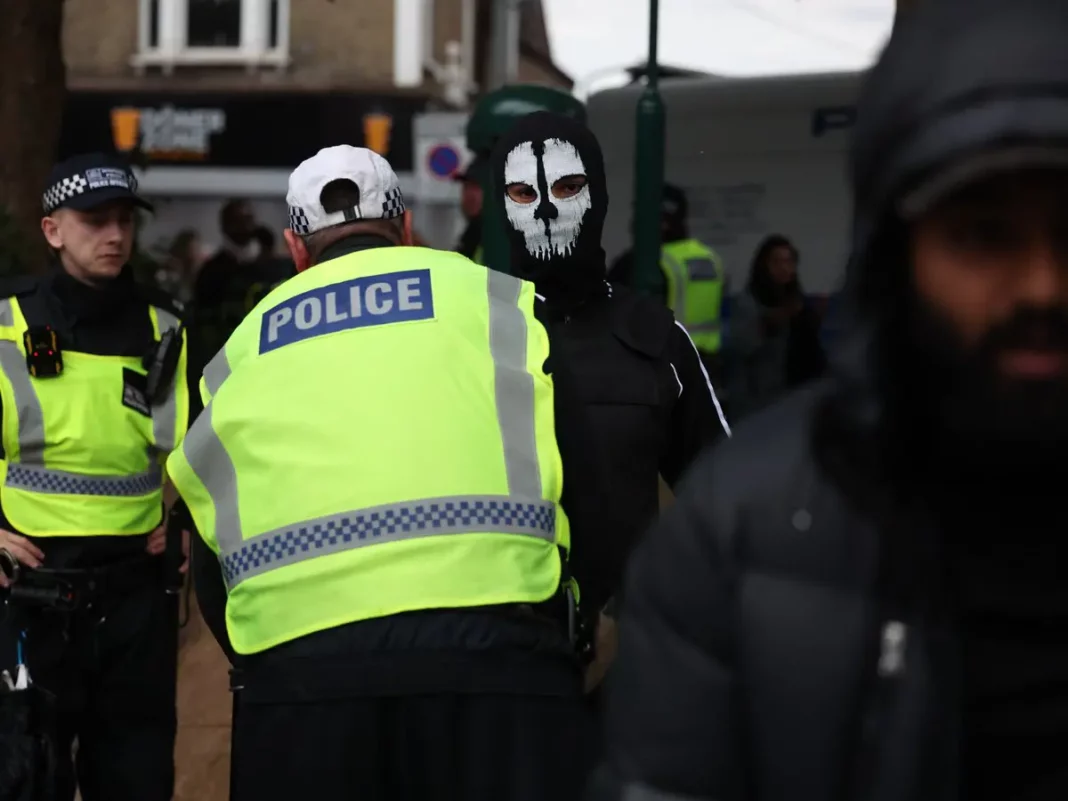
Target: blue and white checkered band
x=298, y=221
x=393, y=206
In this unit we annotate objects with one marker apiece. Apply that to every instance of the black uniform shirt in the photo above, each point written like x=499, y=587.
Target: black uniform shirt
x=109, y=321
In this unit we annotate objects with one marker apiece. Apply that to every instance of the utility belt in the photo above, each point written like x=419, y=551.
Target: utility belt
x=71, y=590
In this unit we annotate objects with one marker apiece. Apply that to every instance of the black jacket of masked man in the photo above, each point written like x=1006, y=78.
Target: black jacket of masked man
x=112, y=662
x=639, y=375
x=862, y=595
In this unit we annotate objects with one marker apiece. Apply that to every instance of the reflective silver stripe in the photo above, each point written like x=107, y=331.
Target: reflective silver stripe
x=514, y=385
x=56, y=482
x=28, y=407
x=212, y=465
x=679, y=277
x=390, y=523
x=217, y=371
x=165, y=413
x=702, y=268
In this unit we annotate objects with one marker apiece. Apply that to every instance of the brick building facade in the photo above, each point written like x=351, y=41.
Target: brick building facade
x=221, y=98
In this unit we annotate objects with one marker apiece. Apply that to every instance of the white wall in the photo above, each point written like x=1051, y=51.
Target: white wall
x=745, y=152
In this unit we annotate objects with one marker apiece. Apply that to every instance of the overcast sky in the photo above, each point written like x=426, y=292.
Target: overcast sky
x=731, y=37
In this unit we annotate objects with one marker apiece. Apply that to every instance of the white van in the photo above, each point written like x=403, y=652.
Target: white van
x=756, y=156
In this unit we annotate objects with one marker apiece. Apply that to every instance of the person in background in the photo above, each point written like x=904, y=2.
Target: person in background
x=863, y=594
x=240, y=247
x=233, y=280
x=774, y=342
x=470, y=180
x=691, y=281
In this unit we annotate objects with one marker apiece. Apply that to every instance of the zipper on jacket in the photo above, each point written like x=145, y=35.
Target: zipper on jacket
x=890, y=669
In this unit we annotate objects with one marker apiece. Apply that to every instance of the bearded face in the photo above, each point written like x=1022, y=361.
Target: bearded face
x=546, y=196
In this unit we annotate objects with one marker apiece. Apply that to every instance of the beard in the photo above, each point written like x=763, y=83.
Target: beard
x=986, y=414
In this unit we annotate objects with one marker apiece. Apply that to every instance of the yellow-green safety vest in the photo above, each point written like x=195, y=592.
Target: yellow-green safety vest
x=694, y=274
x=84, y=451
x=378, y=438
x=479, y=256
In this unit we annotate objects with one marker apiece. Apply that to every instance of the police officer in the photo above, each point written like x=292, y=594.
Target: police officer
x=641, y=378
x=691, y=282
x=378, y=473
x=94, y=396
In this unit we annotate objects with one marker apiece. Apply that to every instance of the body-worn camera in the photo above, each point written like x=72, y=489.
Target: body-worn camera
x=44, y=358
x=162, y=363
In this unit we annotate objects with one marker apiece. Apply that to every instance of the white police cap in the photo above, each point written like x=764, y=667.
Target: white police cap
x=380, y=193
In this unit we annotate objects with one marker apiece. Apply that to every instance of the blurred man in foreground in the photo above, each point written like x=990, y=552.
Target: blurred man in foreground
x=862, y=595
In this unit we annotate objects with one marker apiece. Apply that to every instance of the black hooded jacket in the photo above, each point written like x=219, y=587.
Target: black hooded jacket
x=648, y=396
x=823, y=614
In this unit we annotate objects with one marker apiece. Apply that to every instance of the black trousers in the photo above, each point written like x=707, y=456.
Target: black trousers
x=113, y=668
x=414, y=748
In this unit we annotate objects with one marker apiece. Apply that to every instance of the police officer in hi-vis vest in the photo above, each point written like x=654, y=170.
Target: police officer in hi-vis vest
x=692, y=279
x=400, y=497
x=93, y=396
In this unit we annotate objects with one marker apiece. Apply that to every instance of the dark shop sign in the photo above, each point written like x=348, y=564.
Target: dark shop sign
x=228, y=130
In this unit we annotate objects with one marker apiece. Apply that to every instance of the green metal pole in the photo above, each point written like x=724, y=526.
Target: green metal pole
x=649, y=167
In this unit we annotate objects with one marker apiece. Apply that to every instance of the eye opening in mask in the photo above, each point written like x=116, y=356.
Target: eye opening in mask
x=521, y=193
x=568, y=186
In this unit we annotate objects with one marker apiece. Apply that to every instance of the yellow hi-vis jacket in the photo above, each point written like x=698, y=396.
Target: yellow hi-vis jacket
x=378, y=438
x=83, y=451
x=695, y=281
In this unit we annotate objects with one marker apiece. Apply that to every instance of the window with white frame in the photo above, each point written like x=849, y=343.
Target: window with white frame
x=207, y=32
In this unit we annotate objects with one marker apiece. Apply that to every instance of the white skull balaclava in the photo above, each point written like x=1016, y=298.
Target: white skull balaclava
x=556, y=240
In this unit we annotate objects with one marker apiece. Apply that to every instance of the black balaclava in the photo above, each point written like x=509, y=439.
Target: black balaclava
x=556, y=243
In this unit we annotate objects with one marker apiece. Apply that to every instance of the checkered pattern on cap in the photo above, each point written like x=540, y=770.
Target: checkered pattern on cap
x=380, y=193
x=393, y=205
x=298, y=221
x=63, y=190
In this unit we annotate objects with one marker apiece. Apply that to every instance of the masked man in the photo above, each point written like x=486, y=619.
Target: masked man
x=640, y=376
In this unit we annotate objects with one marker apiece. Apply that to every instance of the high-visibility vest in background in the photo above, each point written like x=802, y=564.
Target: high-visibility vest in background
x=84, y=450
x=378, y=438
x=695, y=277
